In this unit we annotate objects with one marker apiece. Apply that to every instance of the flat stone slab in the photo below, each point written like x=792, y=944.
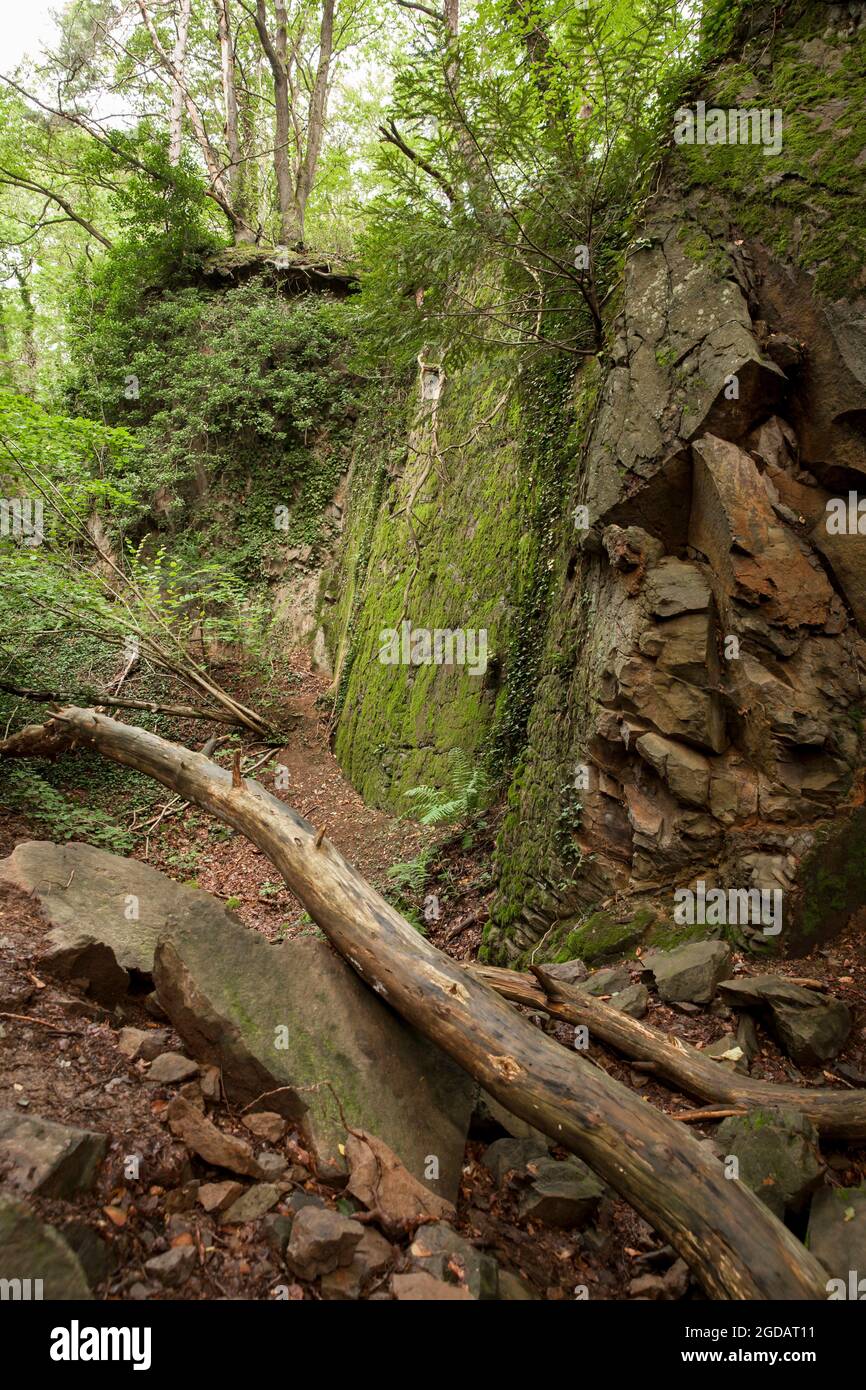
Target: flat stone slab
x=105, y=913
x=293, y=1025
x=54, y=1160
x=35, y=1260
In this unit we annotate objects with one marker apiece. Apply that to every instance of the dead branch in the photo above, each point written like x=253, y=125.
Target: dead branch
x=837, y=1115
x=734, y=1245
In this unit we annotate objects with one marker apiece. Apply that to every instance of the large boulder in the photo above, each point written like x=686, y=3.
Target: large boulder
x=777, y=1153
x=811, y=1027
x=35, y=1261
x=690, y=973
x=105, y=913
x=837, y=1235
x=294, y=1025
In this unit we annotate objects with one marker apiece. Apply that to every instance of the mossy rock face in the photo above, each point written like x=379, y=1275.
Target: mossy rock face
x=601, y=938
x=665, y=935
x=455, y=534
x=805, y=201
x=832, y=883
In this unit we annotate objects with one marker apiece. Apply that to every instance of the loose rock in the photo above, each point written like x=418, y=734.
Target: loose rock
x=203, y=1137
x=321, y=1240
x=512, y=1155
x=50, y=1159
x=171, y=1068
x=692, y=972
x=265, y=1124
x=253, y=1204
x=216, y=1196
x=811, y=1027
x=564, y=1194
x=439, y=1250
x=172, y=1268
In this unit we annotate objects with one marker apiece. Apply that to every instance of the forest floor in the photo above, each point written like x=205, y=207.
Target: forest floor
x=60, y=1056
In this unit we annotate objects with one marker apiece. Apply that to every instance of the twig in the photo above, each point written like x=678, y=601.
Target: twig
x=26, y=1018
x=695, y=1117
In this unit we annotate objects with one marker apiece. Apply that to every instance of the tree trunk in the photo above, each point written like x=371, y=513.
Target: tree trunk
x=276, y=52
x=729, y=1239
x=218, y=188
x=836, y=1114
x=237, y=174
x=56, y=697
x=178, y=58
x=316, y=120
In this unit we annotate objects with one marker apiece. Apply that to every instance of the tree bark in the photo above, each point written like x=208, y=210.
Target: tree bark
x=276, y=52
x=178, y=58
x=237, y=177
x=218, y=187
x=316, y=119
x=729, y=1239
x=836, y=1114
x=294, y=188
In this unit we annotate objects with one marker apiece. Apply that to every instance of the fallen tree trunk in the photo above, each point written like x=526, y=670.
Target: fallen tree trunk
x=838, y=1115
x=56, y=697
x=733, y=1244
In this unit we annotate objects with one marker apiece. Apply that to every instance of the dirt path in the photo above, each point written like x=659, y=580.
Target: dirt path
x=193, y=847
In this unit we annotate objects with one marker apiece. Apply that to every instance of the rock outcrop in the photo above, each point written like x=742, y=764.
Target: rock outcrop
x=700, y=697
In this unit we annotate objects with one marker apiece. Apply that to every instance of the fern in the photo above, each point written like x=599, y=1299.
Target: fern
x=466, y=791
x=411, y=874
